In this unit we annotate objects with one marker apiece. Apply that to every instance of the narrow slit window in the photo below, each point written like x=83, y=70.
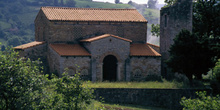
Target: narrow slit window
x=165, y=20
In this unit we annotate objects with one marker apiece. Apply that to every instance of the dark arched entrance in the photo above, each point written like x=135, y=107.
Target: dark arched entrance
x=110, y=68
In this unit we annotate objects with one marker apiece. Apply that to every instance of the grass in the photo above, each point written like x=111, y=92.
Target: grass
x=150, y=84
x=111, y=106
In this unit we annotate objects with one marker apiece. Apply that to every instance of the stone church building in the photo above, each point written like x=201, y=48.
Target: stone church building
x=101, y=44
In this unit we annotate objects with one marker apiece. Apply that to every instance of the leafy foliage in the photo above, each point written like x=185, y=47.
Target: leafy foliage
x=24, y=87
x=21, y=82
x=206, y=18
x=170, y=2
x=189, y=56
x=204, y=102
x=75, y=95
x=155, y=29
x=217, y=71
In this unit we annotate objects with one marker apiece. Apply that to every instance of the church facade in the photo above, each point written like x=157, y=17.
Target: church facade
x=100, y=44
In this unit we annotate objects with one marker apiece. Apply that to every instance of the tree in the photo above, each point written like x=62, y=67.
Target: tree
x=71, y=3
x=170, y=2
x=117, y=1
x=206, y=18
x=216, y=71
x=75, y=95
x=155, y=29
x=24, y=87
x=130, y=2
x=198, y=59
x=189, y=56
x=55, y=3
x=21, y=82
x=152, y=4
x=14, y=41
x=61, y=3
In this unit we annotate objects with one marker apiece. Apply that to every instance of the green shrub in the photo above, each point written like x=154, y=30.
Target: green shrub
x=24, y=87
x=217, y=71
x=203, y=102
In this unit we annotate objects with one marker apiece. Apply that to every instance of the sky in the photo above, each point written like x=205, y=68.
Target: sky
x=126, y=1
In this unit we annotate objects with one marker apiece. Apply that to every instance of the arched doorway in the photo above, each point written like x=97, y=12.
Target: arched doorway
x=110, y=68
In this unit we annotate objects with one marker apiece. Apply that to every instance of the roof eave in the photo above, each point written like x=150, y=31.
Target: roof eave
x=97, y=21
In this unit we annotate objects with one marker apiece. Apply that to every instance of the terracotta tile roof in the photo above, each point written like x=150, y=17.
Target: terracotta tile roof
x=28, y=45
x=142, y=50
x=69, y=50
x=92, y=14
x=153, y=45
x=104, y=36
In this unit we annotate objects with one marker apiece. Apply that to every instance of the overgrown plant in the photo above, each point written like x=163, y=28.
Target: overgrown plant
x=203, y=102
x=217, y=71
x=75, y=95
x=155, y=30
x=24, y=87
x=170, y=2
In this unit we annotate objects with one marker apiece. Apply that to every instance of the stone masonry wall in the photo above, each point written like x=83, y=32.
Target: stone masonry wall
x=99, y=49
x=172, y=20
x=142, y=67
x=78, y=65
x=64, y=32
x=41, y=26
x=36, y=53
x=53, y=61
x=166, y=98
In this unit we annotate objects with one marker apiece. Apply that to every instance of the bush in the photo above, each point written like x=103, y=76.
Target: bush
x=203, y=102
x=24, y=87
x=217, y=71
x=75, y=95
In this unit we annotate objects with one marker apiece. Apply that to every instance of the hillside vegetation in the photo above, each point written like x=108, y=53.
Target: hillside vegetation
x=17, y=16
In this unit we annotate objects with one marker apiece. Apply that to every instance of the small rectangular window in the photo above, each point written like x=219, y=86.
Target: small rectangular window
x=165, y=20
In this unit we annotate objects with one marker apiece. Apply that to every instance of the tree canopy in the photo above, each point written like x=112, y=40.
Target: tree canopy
x=206, y=23
x=190, y=56
x=170, y=2
x=152, y=4
x=195, y=54
x=155, y=30
x=24, y=87
x=117, y=1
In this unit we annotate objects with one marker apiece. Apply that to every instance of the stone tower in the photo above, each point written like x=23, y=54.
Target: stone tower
x=172, y=20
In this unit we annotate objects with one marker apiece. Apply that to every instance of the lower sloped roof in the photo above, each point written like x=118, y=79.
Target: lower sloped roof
x=69, y=50
x=28, y=45
x=142, y=50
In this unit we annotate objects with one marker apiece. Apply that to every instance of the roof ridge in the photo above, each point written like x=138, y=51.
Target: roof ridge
x=103, y=36
x=153, y=45
x=86, y=8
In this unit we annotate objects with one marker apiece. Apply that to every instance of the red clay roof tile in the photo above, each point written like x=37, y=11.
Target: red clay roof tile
x=92, y=14
x=69, y=50
x=142, y=50
x=28, y=45
x=104, y=36
x=153, y=45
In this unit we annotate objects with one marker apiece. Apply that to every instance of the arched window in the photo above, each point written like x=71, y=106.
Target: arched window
x=137, y=73
x=71, y=72
x=84, y=73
